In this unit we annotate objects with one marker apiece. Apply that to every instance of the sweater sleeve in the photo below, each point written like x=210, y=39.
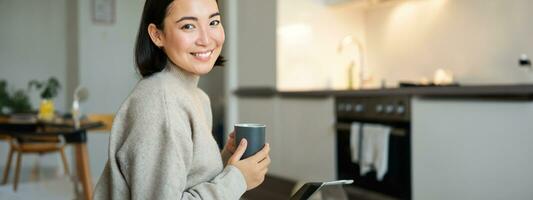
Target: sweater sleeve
x=155, y=160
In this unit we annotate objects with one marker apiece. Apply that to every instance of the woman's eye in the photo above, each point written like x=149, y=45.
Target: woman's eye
x=214, y=23
x=187, y=26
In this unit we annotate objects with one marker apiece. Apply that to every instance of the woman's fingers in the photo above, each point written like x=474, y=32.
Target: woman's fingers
x=261, y=155
x=231, y=137
x=265, y=163
x=230, y=145
x=239, y=151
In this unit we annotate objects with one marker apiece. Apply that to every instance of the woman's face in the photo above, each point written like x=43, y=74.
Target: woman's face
x=193, y=35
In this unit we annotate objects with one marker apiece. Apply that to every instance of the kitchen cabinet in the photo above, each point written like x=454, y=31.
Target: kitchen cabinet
x=472, y=149
x=307, y=135
x=471, y=142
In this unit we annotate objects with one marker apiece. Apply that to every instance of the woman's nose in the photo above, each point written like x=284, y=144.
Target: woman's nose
x=203, y=37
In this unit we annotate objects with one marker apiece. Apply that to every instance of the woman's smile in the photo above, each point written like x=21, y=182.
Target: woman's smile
x=202, y=56
x=192, y=35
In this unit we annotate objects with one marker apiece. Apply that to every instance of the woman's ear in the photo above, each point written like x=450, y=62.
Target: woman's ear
x=156, y=35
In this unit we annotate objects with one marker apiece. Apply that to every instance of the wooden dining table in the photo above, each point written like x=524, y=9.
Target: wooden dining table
x=77, y=137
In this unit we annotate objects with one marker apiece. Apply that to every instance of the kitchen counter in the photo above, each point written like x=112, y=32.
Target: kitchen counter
x=503, y=92
x=453, y=131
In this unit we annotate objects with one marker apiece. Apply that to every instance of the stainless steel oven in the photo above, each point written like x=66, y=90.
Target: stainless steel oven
x=392, y=111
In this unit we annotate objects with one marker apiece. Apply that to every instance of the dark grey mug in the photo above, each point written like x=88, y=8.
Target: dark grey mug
x=254, y=134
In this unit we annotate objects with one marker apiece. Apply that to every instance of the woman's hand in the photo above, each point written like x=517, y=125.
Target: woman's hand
x=230, y=147
x=253, y=168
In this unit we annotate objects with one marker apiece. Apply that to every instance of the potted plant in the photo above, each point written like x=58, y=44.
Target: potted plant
x=17, y=102
x=49, y=90
x=4, y=97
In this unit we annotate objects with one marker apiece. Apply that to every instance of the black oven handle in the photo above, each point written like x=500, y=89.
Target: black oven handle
x=394, y=131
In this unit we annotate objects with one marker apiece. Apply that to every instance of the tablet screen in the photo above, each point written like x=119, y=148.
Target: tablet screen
x=310, y=188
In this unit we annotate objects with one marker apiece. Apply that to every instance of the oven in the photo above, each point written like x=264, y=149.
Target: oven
x=392, y=111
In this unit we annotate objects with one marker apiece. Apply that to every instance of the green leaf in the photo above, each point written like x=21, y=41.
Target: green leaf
x=20, y=102
x=50, y=87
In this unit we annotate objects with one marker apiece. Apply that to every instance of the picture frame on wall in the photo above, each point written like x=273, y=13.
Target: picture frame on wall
x=103, y=11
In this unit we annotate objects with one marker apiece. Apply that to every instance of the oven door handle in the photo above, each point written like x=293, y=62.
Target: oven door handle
x=394, y=131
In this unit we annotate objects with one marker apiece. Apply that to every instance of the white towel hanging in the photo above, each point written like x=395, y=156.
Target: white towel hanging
x=375, y=151
x=367, y=151
x=381, y=145
x=355, y=134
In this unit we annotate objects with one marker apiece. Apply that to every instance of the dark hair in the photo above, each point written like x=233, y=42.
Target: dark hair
x=149, y=58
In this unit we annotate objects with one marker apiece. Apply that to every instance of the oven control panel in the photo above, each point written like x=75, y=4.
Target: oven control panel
x=380, y=108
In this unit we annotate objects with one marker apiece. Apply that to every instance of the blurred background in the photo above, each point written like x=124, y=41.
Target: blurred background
x=457, y=72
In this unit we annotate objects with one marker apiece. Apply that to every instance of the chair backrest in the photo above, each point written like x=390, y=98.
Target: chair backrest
x=106, y=119
x=4, y=119
x=4, y=137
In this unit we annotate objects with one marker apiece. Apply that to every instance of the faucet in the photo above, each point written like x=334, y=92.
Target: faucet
x=357, y=61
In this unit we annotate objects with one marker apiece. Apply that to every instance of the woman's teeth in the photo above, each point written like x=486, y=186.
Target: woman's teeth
x=203, y=54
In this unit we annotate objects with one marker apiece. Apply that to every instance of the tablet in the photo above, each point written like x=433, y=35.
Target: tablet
x=310, y=188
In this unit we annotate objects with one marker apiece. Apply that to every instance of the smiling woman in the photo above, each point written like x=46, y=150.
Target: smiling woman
x=181, y=37
x=161, y=146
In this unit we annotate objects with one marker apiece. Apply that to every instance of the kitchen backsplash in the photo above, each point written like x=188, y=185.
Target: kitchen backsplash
x=308, y=36
x=479, y=41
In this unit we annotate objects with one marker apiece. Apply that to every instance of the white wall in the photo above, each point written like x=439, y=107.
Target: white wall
x=33, y=45
x=106, y=64
x=230, y=51
x=309, y=33
x=250, y=48
x=106, y=67
x=478, y=40
x=256, y=24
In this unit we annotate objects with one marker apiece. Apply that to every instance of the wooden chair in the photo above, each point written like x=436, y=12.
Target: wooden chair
x=43, y=145
x=28, y=145
x=7, y=139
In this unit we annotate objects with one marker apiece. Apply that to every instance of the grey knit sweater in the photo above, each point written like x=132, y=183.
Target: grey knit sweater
x=161, y=145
